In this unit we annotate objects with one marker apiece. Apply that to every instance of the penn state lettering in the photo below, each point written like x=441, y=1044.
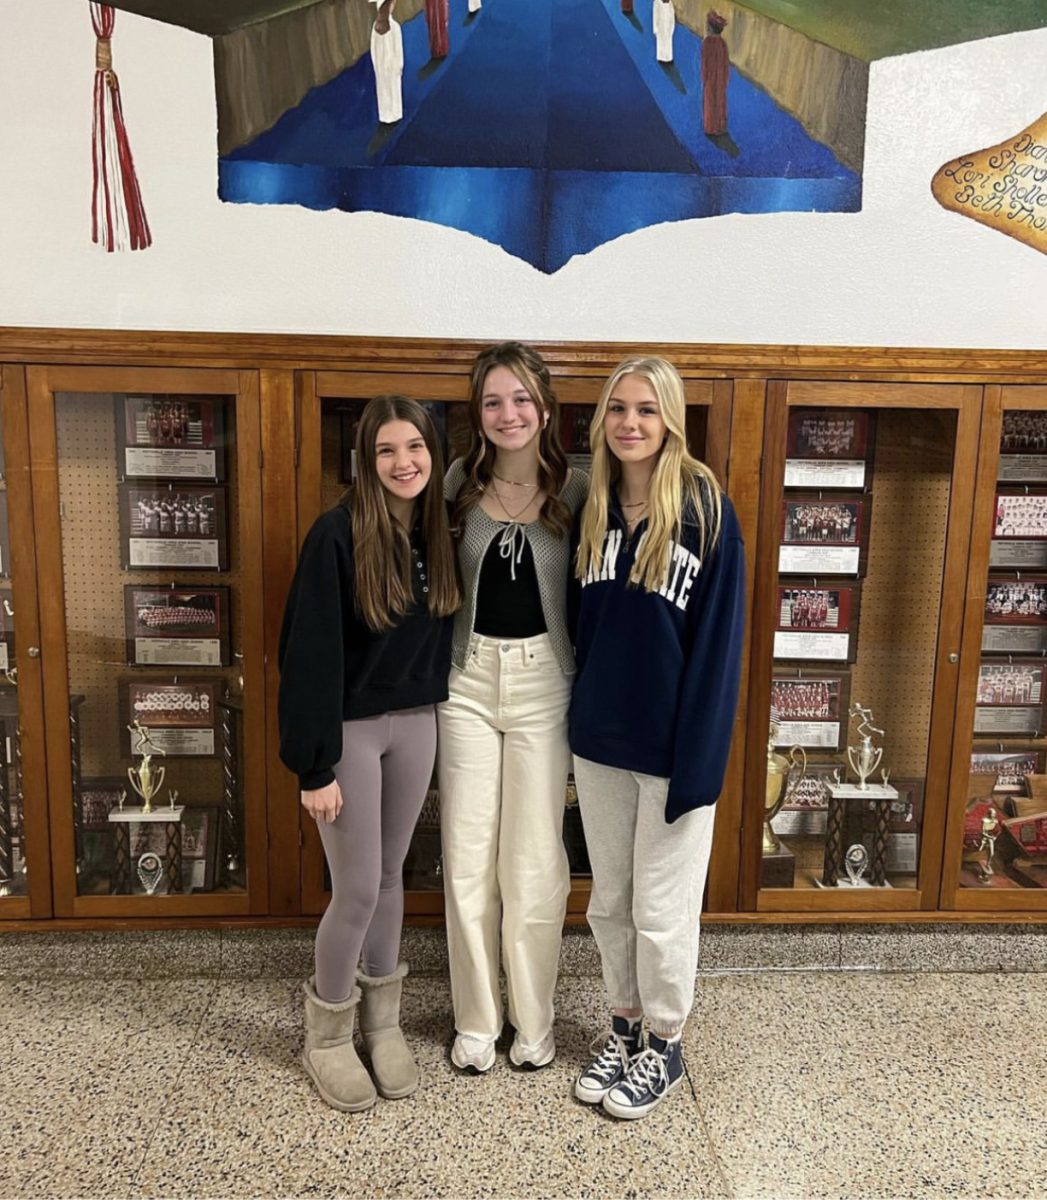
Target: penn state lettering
x=683, y=568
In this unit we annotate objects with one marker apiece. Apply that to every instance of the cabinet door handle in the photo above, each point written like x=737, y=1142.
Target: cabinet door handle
x=33, y=652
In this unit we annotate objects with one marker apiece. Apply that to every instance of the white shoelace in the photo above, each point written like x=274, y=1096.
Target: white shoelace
x=612, y=1058
x=511, y=545
x=647, y=1073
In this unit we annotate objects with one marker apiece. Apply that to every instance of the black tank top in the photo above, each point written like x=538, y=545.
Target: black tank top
x=507, y=606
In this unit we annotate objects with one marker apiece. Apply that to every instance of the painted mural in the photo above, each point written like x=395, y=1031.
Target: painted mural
x=546, y=126
x=1004, y=187
x=552, y=127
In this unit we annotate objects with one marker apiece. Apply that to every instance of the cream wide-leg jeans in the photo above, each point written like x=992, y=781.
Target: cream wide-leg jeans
x=502, y=762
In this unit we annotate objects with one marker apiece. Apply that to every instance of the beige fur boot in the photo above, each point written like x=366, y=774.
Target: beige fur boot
x=329, y=1057
x=395, y=1070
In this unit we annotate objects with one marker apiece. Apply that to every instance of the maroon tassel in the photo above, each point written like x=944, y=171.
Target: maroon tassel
x=118, y=219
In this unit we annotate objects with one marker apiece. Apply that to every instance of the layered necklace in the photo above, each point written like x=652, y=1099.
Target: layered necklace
x=513, y=537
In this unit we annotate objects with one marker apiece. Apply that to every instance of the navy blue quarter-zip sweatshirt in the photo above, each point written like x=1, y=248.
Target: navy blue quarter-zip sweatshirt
x=657, y=682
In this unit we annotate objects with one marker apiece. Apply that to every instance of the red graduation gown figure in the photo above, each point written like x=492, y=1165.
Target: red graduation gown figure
x=437, y=18
x=716, y=67
x=627, y=6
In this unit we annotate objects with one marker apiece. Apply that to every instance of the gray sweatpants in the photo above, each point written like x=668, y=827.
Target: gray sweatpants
x=384, y=773
x=648, y=881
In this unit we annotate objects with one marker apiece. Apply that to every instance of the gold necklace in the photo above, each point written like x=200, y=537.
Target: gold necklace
x=513, y=482
x=513, y=516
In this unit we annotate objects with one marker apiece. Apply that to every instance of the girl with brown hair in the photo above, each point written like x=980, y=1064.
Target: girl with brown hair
x=504, y=758
x=365, y=652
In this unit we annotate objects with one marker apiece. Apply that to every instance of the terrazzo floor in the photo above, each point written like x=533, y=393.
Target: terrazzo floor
x=804, y=1084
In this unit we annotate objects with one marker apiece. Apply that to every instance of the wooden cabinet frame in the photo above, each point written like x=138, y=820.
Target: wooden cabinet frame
x=280, y=381
x=44, y=383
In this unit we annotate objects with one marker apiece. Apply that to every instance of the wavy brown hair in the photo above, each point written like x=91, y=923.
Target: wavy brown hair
x=478, y=460
x=381, y=545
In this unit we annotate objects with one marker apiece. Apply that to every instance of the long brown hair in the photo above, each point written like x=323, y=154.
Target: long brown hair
x=478, y=461
x=680, y=482
x=381, y=546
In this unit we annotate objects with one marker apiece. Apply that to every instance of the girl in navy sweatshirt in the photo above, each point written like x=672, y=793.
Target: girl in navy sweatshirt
x=365, y=652
x=658, y=614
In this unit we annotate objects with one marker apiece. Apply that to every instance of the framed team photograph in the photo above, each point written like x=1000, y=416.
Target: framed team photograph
x=1015, y=616
x=99, y=796
x=166, y=525
x=817, y=622
x=180, y=715
x=811, y=709
x=806, y=809
x=828, y=448
x=177, y=626
x=1008, y=768
x=1019, y=530
x=201, y=827
x=172, y=437
x=1023, y=447
x=1009, y=700
x=824, y=536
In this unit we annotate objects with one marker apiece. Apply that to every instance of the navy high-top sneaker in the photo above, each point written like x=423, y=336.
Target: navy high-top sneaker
x=652, y=1075
x=608, y=1068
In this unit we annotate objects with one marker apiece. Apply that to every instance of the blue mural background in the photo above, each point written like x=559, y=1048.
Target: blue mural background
x=549, y=130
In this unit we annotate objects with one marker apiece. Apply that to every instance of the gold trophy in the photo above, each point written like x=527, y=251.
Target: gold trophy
x=782, y=782
x=865, y=757
x=146, y=779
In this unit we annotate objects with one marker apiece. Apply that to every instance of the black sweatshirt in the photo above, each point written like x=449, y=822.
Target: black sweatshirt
x=334, y=668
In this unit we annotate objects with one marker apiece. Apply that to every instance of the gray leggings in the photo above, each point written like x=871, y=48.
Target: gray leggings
x=384, y=773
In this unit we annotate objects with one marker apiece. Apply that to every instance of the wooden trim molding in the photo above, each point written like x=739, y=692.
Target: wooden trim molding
x=454, y=355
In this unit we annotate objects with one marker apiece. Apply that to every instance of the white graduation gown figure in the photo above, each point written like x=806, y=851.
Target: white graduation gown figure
x=387, y=55
x=474, y=5
x=664, y=23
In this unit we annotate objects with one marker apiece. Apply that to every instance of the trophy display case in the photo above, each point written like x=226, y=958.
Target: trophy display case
x=853, y=625
x=996, y=849
x=151, y=503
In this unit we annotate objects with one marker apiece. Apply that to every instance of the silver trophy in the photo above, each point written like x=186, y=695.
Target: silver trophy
x=150, y=871
x=856, y=863
x=865, y=757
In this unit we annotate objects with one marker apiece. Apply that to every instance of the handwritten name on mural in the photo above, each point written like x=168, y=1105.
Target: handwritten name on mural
x=1004, y=187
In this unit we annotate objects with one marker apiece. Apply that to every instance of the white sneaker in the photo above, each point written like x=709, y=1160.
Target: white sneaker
x=472, y=1054
x=541, y=1054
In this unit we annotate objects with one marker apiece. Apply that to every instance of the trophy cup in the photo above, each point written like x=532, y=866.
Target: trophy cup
x=782, y=782
x=865, y=757
x=145, y=779
x=784, y=773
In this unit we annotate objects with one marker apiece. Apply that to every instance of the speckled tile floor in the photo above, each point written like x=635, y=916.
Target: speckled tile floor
x=805, y=1084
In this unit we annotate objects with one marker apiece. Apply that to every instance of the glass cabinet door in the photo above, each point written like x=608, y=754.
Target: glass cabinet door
x=864, y=532
x=996, y=856
x=330, y=404
x=25, y=876
x=148, y=509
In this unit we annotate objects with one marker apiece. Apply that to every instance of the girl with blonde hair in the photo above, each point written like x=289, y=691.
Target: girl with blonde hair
x=658, y=615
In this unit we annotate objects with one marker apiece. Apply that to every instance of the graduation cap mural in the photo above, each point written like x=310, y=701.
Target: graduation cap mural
x=550, y=127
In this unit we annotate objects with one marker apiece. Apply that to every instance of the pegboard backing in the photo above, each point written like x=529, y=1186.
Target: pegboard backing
x=92, y=562
x=901, y=595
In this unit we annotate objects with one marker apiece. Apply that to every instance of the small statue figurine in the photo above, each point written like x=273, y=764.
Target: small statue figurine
x=990, y=832
x=865, y=757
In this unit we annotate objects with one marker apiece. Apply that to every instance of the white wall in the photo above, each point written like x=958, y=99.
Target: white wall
x=901, y=272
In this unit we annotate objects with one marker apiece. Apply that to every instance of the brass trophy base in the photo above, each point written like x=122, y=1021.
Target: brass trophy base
x=778, y=869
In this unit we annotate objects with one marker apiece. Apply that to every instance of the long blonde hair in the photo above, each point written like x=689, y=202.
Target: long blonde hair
x=681, y=483
x=478, y=460
x=381, y=548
